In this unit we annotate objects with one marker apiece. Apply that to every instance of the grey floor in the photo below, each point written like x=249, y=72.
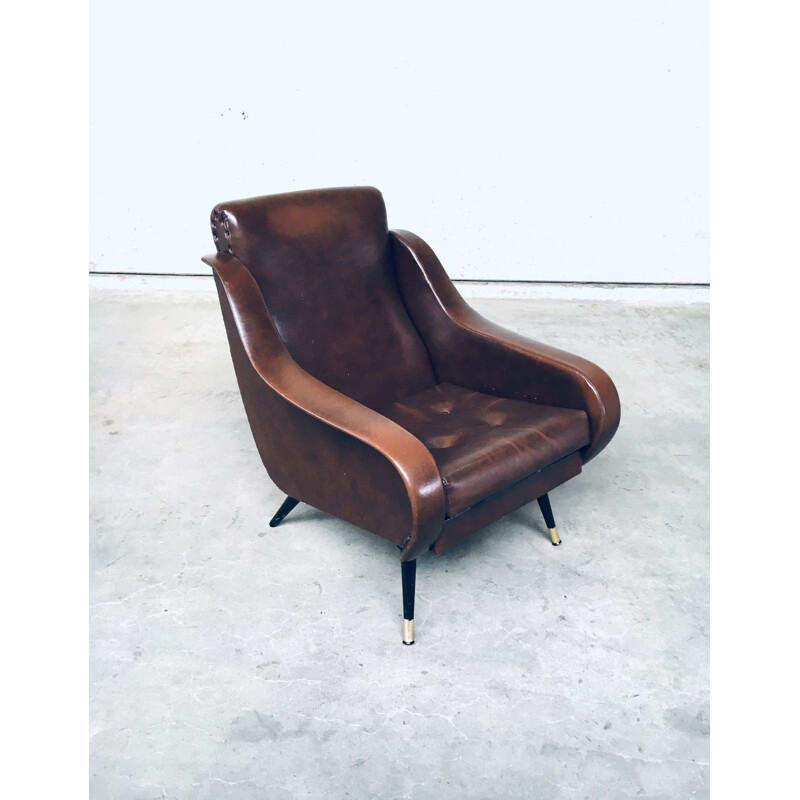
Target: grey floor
x=232, y=660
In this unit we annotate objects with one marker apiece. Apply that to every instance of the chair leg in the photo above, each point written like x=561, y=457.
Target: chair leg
x=549, y=520
x=288, y=504
x=409, y=573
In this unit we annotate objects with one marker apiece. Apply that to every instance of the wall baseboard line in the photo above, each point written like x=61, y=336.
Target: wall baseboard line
x=667, y=293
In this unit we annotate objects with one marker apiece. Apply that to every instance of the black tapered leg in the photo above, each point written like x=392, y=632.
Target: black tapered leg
x=409, y=571
x=549, y=519
x=288, y=504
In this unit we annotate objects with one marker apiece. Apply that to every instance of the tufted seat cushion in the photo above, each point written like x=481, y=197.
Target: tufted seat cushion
x=483, y=444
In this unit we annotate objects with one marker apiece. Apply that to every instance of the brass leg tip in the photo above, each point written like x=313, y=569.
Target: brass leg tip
x=408, y=631
x=554, y=537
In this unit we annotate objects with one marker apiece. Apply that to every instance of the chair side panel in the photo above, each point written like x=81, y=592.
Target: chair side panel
x=308, y=460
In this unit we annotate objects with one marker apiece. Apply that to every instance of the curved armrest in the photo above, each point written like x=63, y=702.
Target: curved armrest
x=319, y=445
x=470, y=351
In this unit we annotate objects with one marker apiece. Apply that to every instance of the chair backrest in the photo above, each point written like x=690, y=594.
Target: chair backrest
x=323, y=263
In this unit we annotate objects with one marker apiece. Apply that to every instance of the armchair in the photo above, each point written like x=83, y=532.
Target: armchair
x=376, y=394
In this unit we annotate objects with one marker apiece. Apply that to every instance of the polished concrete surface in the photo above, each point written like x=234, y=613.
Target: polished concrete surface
x=233, y=660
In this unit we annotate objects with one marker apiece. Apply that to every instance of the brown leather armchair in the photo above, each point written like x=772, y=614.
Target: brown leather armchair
x=376, y=394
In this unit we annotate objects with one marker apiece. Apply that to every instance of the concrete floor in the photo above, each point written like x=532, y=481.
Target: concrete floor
x=232, y=660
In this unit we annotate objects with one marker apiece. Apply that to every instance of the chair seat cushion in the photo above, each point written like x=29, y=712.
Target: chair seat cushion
x=483, y=444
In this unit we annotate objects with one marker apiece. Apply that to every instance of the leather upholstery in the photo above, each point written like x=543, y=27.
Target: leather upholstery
x=340, y=329
x=318, y=445
x=498, y=505
x=470, y=351
x=482, y=444
x=323, y=263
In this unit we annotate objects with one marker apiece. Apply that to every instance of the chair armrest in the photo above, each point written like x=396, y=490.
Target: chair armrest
x=319, y=445
x=470, y=351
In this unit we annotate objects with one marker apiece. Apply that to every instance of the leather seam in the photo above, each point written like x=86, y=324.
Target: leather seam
x=411, y=320
x=446, y=497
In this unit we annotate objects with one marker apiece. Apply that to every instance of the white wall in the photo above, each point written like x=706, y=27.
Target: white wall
x=524, y=141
